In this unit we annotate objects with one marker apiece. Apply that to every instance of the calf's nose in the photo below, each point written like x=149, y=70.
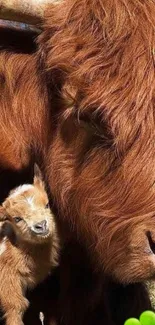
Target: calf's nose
x=40, y=227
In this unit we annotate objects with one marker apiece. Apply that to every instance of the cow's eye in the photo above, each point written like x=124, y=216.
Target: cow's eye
x=17, y=219
x=47, y=206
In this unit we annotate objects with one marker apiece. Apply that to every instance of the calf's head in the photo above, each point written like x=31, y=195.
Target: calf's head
x=28, y=208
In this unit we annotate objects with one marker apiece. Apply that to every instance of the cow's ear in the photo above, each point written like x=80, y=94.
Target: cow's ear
x=38, y=177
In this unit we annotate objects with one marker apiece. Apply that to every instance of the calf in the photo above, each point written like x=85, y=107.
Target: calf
x=29, y=246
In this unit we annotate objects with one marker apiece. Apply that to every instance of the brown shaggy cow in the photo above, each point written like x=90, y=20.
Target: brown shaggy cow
x=83, y=105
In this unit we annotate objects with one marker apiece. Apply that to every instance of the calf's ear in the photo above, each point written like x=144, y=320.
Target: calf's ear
x=38, y=177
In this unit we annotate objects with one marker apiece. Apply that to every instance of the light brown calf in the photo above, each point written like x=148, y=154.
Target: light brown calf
x=28, y=248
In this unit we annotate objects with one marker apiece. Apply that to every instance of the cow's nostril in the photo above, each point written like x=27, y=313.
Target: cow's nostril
x=151, y=241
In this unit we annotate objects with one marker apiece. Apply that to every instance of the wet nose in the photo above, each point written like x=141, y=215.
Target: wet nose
x=40, y=227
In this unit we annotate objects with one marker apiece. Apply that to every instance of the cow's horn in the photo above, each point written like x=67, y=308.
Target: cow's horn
x=27, y=11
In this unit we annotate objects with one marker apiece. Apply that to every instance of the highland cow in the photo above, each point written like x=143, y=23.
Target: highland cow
x=83, y=105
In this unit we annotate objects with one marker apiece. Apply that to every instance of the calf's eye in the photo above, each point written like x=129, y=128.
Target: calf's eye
x=17, y=219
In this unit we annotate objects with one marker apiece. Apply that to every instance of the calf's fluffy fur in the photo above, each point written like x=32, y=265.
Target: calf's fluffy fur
x=28, y=248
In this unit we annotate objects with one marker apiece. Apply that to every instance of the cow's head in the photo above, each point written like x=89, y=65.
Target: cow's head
x=100, y=65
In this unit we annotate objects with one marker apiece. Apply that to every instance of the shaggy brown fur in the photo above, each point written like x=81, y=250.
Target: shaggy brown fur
x=17, y=92
x=84, y=105
x=28, y=249
x=106, y=134
x=100, y=56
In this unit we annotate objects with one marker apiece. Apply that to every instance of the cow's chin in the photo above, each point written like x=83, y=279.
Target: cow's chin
x=134, y=260
x=135, y=270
